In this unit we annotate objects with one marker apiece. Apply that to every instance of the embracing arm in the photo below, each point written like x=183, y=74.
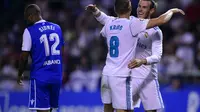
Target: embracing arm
x=156, y=52
x=138, y=25
x=99, y=15
x=164, y=18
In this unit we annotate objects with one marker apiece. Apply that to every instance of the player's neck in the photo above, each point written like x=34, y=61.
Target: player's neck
x=38, y=19
x=148, y=17
x=124, y=16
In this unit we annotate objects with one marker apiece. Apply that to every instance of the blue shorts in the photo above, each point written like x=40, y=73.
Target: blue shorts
x=43, y=95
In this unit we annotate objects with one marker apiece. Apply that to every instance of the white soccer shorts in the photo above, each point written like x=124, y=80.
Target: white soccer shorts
x=117, y=90
x=149, y=93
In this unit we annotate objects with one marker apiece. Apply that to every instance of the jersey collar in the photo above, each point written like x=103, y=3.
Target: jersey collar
x=40, y=21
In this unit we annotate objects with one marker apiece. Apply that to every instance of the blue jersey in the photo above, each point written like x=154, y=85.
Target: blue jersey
x=46, y=44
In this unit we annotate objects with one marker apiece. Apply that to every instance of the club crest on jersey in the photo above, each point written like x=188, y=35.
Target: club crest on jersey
x=146, y=35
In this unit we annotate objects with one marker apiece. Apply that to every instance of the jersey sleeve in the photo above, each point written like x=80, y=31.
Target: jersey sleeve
x=103, y=18
x=157, y=48
x=26, y=42
x=103, y=31
x=138, y=25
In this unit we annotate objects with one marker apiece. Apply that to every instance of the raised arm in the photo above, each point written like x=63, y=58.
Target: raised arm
x=164, y=18
x=99, y=15
x=138, y=25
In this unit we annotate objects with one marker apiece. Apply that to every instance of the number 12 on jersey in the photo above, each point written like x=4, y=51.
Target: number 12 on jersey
x=114, y=46
x=52, y=37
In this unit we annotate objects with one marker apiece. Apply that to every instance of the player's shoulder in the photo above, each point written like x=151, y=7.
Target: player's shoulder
x=28, y=27
x=54, y=24
x=112, y=18
x=155, y=30
x=132, y=17
x=26, y=32
x=137, y=21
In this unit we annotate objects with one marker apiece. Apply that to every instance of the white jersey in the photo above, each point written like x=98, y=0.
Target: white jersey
x=121, y=36
x=149, y=47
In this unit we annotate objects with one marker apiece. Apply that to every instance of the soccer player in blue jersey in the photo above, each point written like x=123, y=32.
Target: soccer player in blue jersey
x=43, y=41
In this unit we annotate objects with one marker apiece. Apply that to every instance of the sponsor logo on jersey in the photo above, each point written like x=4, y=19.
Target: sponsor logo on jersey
x=51, y=62
x=141, y=45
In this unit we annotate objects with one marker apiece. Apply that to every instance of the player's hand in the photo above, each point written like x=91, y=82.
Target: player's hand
x=136, y=63
x=176, y=10
x=19, y=80
x=91, y=8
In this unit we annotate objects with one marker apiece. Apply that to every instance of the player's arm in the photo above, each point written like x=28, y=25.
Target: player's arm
x=157, y=49
x=26, y=47
x=156, y=52
x=99, y=15
x=22, y=65
x=164, y=18
x=138, y=25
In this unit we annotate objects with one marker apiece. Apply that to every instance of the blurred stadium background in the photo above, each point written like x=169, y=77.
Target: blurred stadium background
x=179, y=70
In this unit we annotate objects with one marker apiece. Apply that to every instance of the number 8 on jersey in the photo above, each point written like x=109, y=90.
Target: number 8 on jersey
x=114, y=45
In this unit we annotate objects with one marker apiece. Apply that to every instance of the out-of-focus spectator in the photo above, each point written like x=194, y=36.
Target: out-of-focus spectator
x=92, y=81
x=193, y=7
x=9, y=69
x=171, y=61
x=77, y=80
x=175, y=85
x=78, y=77
x=185, y=42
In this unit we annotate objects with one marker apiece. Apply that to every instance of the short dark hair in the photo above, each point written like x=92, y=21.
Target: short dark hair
x=32, y=9
x=153, y=4
x=122, y=6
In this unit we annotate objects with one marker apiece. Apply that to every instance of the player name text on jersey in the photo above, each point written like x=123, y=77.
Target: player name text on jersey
x=116, y=27
x=47, y=27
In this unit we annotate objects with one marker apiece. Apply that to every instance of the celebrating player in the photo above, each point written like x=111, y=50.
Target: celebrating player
x=44, y=42
x=121, y=38
x=148, y=53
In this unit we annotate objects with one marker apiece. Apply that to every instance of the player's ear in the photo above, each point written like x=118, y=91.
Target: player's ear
x=30, y=18
x=152, y=11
